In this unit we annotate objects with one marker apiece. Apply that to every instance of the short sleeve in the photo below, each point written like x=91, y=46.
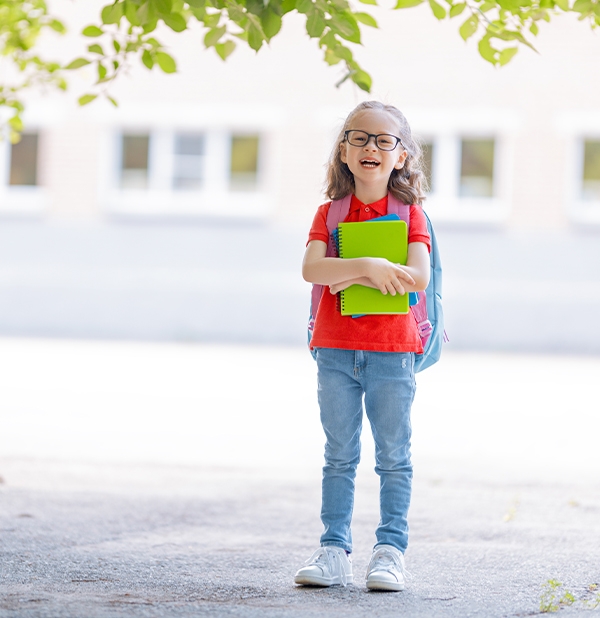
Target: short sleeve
x=418, y=227
x=318, y=231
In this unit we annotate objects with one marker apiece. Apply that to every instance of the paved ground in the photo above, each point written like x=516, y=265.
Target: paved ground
x=140, y=480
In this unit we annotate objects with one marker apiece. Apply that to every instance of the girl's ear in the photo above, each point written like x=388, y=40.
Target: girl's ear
x=400, y=163
x=343, y=156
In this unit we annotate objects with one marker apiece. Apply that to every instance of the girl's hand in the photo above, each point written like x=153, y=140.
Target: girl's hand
x=388, y=277
x=338, y=287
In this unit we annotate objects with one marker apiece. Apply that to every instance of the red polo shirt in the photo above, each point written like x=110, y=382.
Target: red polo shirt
x=377, y=333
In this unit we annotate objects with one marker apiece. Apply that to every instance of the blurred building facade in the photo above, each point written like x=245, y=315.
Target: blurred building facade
x=517, y=147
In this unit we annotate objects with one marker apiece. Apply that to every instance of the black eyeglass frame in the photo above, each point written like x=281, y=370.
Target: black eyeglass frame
x=369, y=136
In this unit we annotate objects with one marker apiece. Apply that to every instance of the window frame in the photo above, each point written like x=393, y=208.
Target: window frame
x=161, y=198
x=21, y=200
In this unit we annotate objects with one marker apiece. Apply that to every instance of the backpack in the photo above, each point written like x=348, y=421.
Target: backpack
x=426, y=306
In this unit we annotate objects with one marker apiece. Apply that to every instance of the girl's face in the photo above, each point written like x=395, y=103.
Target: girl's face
x=371, y=166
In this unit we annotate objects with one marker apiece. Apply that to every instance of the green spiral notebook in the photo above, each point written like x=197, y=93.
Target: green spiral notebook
x=386, y=239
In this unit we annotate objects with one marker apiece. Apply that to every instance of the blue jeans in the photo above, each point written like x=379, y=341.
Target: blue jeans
x=387, y=381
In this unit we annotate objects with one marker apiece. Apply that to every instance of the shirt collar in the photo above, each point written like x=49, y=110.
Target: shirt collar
x=380, y=207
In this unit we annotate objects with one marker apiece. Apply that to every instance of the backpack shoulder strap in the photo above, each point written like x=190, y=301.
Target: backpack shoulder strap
x=397, y=207
x=338, y=211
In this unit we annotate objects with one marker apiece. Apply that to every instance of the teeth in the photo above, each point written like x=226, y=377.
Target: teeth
x=370, y=163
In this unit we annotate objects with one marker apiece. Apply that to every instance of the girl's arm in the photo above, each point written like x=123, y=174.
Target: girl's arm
x=417, y=266
x=385, y=276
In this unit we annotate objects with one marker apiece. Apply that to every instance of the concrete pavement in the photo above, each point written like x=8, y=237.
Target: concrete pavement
x=183, y=480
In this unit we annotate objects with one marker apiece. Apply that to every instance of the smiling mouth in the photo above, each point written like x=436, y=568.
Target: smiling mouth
x=369, y=163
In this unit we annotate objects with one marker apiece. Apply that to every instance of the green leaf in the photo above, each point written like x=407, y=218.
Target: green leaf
x=362, y=80
x=487, y=51
x=225, y=49
x=407, y=4
x=469, y=27
x=304, y=6
x=101, y=71
x=164, y=6
x=131, y=15
x=92, y=31
x=271, y=23
x=344, y=53
x=166, y=62
x=87, y=98
x=583, y=6
x=287, y=6
x=255, y=35
x=329, y=40
x=77, y=64
x=331, y=57
x=563, y=4
x=369, y=2
x=196, y=4
x=438, y=10
x=213, y=36
x=365, y=18
x=534, y=29
x=212, y=21
x=16, y=124
x=112, y=101
x=346, y=26
x=147, y=59
x=315, y=23
x=147, y=13
x=507, y=54
x=457, y=9
x=112, y=13
x=175, y=21
x=57, y=26
x=96, y=49
x=116, y=45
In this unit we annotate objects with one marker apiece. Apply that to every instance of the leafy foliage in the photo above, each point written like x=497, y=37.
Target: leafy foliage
x=125, y=33
x=20, y=26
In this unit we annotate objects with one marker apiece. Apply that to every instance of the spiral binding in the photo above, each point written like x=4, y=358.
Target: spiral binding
x=337, y=243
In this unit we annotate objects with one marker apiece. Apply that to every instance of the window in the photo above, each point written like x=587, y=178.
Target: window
x=134, y=163
x=591, y=170
x=208, y=171
x=188, y=162
x=244, y=162
x=23, y=161
x=427, y=148
x=477, y=168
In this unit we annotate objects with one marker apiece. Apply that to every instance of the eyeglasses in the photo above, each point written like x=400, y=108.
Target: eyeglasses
x=383, y=141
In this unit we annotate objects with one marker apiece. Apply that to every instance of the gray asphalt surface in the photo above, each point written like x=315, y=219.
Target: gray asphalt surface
x=154, y=541
x=166, y=480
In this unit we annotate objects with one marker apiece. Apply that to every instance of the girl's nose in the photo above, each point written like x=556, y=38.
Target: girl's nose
x=371, y=142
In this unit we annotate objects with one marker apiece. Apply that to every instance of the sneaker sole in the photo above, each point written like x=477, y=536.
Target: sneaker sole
x=320, y=581
x=389, y=586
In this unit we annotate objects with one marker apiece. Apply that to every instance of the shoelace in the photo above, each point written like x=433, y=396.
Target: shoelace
x=385, y=560
x=331, y=560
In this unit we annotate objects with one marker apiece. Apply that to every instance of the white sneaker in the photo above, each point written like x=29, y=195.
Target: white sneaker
x=386, y=570
x=328, y=566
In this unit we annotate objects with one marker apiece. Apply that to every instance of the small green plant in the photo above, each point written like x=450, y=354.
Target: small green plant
x=555, y=595
x=595, y=602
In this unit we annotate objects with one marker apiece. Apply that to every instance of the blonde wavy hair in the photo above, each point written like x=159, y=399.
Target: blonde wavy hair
x=406, y=184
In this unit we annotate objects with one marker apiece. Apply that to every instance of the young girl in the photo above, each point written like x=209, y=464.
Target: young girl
x=370, y=356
